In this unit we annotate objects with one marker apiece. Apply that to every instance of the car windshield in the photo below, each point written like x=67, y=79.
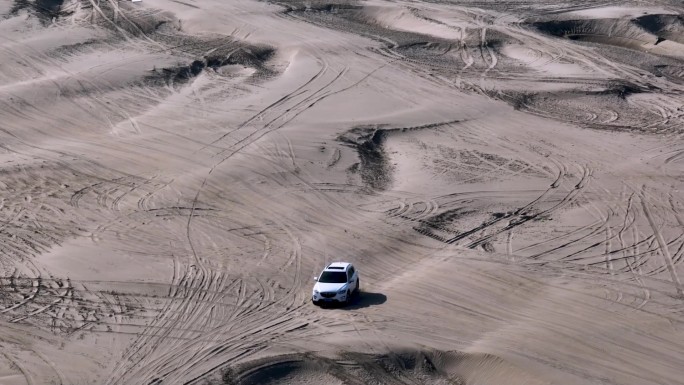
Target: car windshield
x=333, y=277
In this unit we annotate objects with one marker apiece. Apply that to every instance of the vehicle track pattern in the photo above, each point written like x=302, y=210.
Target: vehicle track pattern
x=166, y=228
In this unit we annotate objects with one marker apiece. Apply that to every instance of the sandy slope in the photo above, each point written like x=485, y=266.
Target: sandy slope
x=505, y=175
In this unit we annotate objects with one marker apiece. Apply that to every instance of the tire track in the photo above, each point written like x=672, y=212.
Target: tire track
x=61, y=297
x=22, y=369
x=523, y=214
x=663, y=247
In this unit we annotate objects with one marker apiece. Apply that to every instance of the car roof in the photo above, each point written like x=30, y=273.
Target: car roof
x=338, y=266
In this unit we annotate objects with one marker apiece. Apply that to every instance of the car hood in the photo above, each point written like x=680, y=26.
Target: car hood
x=329, y=287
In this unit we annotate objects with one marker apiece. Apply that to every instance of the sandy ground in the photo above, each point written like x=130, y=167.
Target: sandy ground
x=506, y=176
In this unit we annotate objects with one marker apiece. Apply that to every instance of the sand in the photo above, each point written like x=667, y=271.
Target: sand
x=505, y=176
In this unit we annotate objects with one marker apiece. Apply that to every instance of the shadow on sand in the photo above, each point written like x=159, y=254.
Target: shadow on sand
x=361, y=300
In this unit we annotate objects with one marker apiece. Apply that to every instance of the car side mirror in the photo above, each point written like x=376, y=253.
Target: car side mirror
x=315, y=278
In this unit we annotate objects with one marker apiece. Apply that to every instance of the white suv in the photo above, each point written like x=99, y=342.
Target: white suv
x=337, y=283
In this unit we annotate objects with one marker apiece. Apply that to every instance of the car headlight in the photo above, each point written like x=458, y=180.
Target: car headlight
x=315, y=291
x=342, y=290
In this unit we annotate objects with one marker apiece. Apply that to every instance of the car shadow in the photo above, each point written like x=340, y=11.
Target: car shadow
x=361, y=300
x=366, y=299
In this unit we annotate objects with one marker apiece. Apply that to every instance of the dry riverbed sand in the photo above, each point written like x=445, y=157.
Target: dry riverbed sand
x=506, y=176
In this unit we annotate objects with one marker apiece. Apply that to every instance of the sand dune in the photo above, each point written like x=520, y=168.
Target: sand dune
x=506, y=176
